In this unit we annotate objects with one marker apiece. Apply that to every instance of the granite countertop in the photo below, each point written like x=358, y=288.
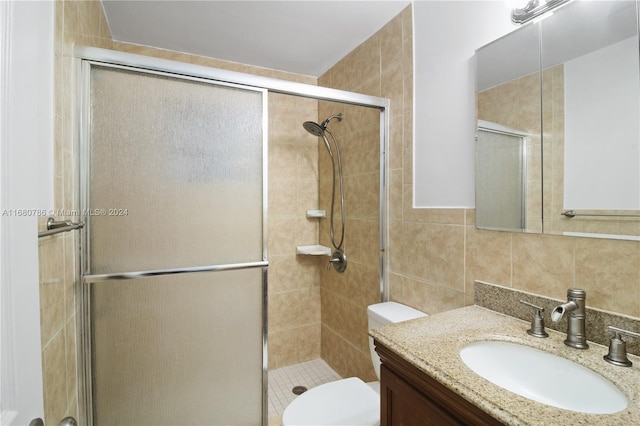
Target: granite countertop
x=432, y=344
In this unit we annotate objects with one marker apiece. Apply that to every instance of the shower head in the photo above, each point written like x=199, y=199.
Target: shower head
x=318, y=129
x=314, y=128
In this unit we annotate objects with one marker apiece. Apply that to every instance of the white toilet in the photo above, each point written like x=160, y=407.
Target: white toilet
x=348, y=401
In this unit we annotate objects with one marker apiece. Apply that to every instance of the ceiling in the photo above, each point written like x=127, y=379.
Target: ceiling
x=304, y=37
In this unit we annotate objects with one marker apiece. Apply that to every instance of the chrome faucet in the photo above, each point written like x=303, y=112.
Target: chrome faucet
x=576, y=319
x=618, y=348
x=537, y=322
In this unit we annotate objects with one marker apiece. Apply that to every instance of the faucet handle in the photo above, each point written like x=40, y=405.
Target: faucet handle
x=618, y=348
x=537, y=322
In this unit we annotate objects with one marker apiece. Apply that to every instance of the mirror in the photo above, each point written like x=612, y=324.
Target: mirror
x=591, y=113
x=582, y=140
x=508, y=141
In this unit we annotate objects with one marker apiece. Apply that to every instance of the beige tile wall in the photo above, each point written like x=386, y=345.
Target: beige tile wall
x=294, y=281
x=436, y=254
x=381, y=66
x=57, y=317
x=609, y=270
x=345, y=296
x=553, y=122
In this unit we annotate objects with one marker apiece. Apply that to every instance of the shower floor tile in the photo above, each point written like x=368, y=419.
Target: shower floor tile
x=282, y=380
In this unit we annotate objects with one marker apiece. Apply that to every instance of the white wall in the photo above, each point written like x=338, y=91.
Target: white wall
x=26, y=175
x=446, y=35
x=602, y=146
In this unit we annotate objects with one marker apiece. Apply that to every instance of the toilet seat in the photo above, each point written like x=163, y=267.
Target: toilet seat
x=343, y=402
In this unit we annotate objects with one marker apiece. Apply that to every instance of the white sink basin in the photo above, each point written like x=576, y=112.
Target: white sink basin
x=543, y=377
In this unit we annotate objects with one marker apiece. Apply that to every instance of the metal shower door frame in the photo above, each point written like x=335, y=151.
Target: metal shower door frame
x=85, y=57
x=88, y=278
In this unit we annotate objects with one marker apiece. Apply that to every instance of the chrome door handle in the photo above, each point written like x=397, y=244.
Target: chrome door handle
x=68, y=421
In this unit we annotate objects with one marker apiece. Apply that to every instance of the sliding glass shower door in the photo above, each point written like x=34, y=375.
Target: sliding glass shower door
x=174, y=274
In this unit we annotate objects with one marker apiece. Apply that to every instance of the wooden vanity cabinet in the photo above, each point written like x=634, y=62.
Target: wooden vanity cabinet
x=409, y=397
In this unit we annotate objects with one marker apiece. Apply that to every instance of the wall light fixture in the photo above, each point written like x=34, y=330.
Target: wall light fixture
x=525, y=12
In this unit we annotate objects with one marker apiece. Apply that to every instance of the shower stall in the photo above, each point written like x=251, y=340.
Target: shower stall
x=173, y=178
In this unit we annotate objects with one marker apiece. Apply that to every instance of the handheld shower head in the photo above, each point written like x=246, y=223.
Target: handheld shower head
x=314, y=128
x=321, y=130
x=318, y=129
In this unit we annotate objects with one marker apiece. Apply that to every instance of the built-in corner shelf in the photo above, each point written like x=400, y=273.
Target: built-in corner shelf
x=316, y=213
x=314, y=250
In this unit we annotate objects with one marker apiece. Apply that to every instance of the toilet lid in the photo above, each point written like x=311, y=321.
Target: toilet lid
x=343, y=402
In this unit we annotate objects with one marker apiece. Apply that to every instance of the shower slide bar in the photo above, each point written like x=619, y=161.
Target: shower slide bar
x=571, y=214
x=56, y=227
x=88, y=279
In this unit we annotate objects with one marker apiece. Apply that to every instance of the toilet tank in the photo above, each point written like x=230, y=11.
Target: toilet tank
x=387, y=313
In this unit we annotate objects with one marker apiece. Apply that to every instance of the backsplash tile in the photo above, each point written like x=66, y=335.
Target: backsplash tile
x=507, y=301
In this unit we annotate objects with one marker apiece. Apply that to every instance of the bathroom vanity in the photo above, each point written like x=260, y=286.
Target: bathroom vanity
x=425, y=381
x=410, y=397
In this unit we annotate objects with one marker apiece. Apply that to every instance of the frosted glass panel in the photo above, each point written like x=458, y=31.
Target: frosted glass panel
x=175, y=180
x=176, y=172
x=500, y=171
x=178, y=350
